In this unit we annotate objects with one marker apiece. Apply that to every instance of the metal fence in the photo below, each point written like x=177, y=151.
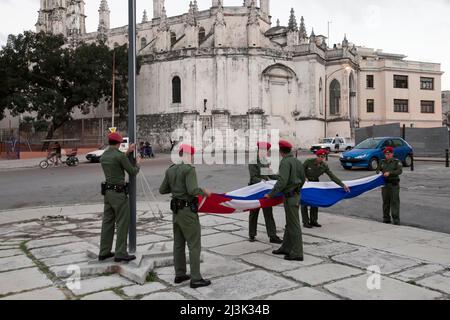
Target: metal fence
x=427, y=142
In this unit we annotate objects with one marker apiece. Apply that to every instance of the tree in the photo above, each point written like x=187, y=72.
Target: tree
x=44, y=76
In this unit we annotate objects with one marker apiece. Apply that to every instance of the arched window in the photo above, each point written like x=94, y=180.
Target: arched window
x=335, y=97
x=176, y=90
x=321, y=96
x=201, y=35
x=143, y=43
x=173, y=38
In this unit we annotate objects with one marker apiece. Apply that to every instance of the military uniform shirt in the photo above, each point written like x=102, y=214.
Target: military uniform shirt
x=314, y=171
x=114, y=164
x=394, y=167
x=290, y=177
x=181, y=181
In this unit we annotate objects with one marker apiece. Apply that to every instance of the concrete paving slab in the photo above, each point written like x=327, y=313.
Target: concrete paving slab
x=164, y=296
x=151, y=238
x=66, y=260
x=219, y=239
x=213, y=266
x=10, y=253
x=65, y=249
x=228, y=227
x=329, y=249
x=276, y=263
x=240, y=248
x=22, y=280
x=419, y=272
x=424, y=252
x=147, y=288
x=48, y=294
x=101, y=284
x=34, y=244
x=436, y=282
x=102, y=296
x=374, y=240
x=357, y=289
x=322, y=273
x=244, y=286
x=303, y=294
x=387, y=262
x=15, y=262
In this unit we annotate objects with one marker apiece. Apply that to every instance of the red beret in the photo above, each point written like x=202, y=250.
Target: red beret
x=322, y=152
x=186, y=148
x=285, y=144
x=264, y=145
x=388, y=149
x=115, y=137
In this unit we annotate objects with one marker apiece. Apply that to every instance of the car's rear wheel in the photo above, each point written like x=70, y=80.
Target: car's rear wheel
x=373, y=164
x=408, y=161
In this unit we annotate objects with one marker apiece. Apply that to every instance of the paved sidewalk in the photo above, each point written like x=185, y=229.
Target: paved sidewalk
x=36, y=244
x=6, y=165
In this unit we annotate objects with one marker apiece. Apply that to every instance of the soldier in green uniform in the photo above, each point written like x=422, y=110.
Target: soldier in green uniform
x=290, y=181
x=314, y=168
x=181, y=181
x=117, y=210
x=391, y=168
x=258, y=174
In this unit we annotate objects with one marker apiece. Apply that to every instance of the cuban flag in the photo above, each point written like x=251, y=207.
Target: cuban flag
x=315, y=194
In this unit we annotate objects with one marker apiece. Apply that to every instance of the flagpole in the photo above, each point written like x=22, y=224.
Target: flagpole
x=114, y=88
x=132, y=115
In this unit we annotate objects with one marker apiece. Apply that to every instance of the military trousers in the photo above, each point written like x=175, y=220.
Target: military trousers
x=391, y=202
x=292, y=240
x=116, y=214
x=187, y=229
x=270, y=222
x=310, y=217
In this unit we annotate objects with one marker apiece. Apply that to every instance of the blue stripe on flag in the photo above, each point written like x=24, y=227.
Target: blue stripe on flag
x=324, y=198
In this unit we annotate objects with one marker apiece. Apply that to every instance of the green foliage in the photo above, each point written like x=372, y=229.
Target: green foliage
x=42, y=75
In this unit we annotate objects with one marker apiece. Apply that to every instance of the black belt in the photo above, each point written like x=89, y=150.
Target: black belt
x=179, y=204
x=119, y=188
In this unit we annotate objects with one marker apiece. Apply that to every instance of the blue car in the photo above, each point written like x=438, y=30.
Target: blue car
x=369, y=153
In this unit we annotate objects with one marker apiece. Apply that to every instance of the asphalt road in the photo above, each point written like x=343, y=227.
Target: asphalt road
x=425, y=193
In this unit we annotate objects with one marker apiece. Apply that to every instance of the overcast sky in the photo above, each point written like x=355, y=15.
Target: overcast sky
x=419, y=29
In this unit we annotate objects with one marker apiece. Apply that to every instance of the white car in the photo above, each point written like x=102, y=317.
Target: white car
x=95, y=156
x=331, y=143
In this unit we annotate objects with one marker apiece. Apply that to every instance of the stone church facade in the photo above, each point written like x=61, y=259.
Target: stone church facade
x=231, y=67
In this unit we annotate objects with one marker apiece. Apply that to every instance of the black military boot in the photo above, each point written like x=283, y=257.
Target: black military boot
x=182, y=279
x=200, y=283
x=103, y=258
x=276, y=240
x=127, y=258
x=279, y=252
x=252, y=239
x=315, y=224
x=307, y=226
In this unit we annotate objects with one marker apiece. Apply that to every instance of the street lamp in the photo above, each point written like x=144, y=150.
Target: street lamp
x=346, y=68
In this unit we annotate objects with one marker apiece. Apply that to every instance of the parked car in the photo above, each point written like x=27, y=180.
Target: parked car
x=369, y=153
x=95, y=156
x=331, y=143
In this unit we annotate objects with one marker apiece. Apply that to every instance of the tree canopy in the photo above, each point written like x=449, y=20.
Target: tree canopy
x=42, y=74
